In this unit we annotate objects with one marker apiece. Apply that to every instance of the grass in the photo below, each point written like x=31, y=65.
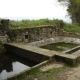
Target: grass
x=54, y=71
x=34, y=71
x=23, y=76
x=34, y=23
x=48, y=75
x=69, y=27
x=74, y=28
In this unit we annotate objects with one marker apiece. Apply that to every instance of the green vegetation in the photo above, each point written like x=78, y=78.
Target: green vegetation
x=52, y=72
x=73, y=9
x=60, y=46
x=74, y=28
x=16, y=25
x=13, y=33
x=34, y=71
x=37, y=73
x=34, y=23
x=25, y=75
x=69, y=27
x=40, y=75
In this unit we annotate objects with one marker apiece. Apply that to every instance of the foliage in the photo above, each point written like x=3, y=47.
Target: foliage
x=34, y=71
x=34, y=23
x=47, y=75
x=77, y=2
x=25, y=74
x=73, y=9
x=74, y=28
x=13, y=33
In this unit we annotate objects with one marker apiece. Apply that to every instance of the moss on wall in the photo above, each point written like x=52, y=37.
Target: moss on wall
x=42, y=33
x=17, y=34
x=2, y=49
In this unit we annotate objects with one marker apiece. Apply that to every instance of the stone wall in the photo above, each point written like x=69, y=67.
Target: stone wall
x=45, y=32
x=68, y=34
x=3, y=37
x=54, y=40
x=4, y=25
x=34, y=34
x=17, y=35
x=42, y=33
x=35, y=57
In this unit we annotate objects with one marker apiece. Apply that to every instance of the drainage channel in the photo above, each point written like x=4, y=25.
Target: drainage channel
x=73, y=50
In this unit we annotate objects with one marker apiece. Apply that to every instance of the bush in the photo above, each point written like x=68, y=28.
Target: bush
x=34, y=23
x=74, y=28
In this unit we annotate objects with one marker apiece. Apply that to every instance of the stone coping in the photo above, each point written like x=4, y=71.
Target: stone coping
x=34, y=49
x=45, y=52
x=55, y=39
x=70, y=51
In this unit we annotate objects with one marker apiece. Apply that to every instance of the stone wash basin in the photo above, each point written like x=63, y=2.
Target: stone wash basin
x=67, y=50
x=59, y=46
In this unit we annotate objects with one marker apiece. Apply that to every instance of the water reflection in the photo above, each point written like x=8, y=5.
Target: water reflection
x=12, y=64
x=17, y=67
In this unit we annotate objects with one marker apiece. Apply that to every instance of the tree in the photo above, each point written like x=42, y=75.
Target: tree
x=73, y=9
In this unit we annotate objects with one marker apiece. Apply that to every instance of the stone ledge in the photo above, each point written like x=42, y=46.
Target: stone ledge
x=44, y=53
x=68, y=58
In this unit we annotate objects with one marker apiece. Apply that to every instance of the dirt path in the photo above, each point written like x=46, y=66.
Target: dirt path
x=66, y=73
x=52, y=65
x=69, y=74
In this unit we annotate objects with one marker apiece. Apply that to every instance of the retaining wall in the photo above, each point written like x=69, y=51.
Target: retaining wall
x=4, y=38
x=36, y=34
x=42, y=33
x=54, y=40
x=26, y=53
x=67, y=34
x=39, y=55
